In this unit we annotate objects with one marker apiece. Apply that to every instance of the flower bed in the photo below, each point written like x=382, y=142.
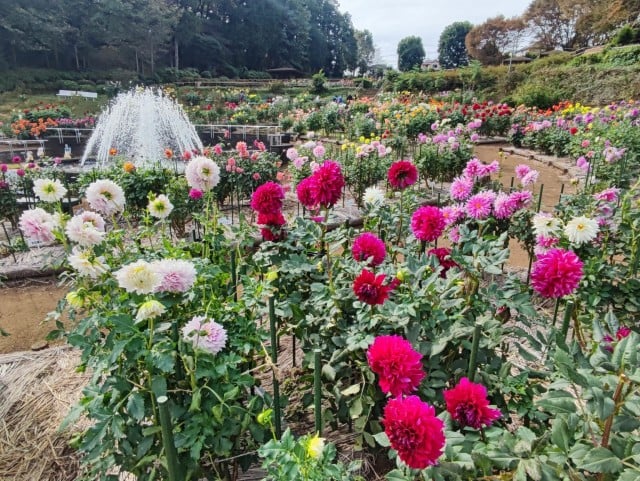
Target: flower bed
x=414, y=335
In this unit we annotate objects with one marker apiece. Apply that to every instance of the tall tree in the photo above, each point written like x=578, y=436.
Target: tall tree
x=562, y=24
x=452, y=51
x=366, y=50
x=496, y=38
x=410, y=53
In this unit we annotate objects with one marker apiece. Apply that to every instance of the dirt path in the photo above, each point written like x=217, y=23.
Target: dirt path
x=23, y=308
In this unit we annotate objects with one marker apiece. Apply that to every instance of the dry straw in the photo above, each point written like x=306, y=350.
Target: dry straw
x=36, y=391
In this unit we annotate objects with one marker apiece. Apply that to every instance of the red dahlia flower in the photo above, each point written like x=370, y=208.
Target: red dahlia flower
x=267, y=198
x=368, y=246
x=272, y=222
x=427, y=223
x=467, y=403
x=402, y=174
x=398, y=365
x=444, y=258
x=414, y=431
x=556, y=273
x=370, y=288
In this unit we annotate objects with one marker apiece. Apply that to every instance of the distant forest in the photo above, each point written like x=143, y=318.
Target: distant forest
x=221, y=37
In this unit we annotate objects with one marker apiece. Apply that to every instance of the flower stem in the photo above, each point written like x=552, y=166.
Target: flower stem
x=317, y=390
x=173, y=466
x=475, y=343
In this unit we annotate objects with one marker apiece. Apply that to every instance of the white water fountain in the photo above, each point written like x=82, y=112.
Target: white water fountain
x=140, y=125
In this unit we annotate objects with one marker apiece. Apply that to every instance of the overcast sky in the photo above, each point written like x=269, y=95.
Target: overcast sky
x=390, y=21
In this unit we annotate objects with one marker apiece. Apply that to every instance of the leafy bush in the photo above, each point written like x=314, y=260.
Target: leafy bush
x=623, y=56
x=318, y=83
x=537, y=95
x=625, y=36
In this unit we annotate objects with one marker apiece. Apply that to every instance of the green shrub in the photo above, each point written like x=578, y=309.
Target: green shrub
x=317, y=83
x=625, y=36
x=276, y=87
x=363, y=82
x=623, y=56
x=537, y=95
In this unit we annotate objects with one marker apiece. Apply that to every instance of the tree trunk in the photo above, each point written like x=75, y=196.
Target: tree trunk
x=137, y=63
x=176, y=54
x=75, y=51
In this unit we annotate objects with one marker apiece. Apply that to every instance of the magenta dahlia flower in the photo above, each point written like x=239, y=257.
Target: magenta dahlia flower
x=305, y=194
x=414, y=431
x=468, y=405
x=397, y=364
x=272, y=222
x=402, y=174
x=371, y=289
x=326, y=184
x=427, y=223
x=267, y=198
x=556, y=273
x=369, y=247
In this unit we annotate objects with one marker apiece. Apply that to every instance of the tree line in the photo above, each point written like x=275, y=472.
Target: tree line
x=223, y=37
x=544, y=26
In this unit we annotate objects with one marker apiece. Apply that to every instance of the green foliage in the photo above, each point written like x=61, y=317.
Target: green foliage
x=306, y=458
x=540, y=95
x=318, y=83
x=452, y=51
x=622, y=56
x=410, y=53
x=625, y=36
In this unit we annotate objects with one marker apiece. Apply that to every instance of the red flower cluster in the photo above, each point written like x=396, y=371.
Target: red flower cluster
x=398, y=365
x=370, y=288
x=369, y=247
x=427, y=223
x=267, y=202
x=402, y=174
x=323, y=188
x=267, y=199
x=467, y=403
x=444, y=258
x=273, y=230
x=556, y=273
x=414, y=431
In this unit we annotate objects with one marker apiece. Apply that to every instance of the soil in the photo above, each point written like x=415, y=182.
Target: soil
x=23, y=309
x=24, y=305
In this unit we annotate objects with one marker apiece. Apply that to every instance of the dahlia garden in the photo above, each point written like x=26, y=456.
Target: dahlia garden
x=232, y=316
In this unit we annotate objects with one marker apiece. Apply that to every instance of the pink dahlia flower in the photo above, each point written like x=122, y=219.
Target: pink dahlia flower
x=327, y=183
x=205, y=334
x=556, y=273
x=427, y=223
x=176, y=275
x=467, y=403
x=461, y=188
x=267, y=198
x=369, y=247
x=414, y=431
x=479, y=206
x=397, y=364
x=402, y=174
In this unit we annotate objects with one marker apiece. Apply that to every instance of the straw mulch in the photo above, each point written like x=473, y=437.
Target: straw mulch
x=36, y=391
